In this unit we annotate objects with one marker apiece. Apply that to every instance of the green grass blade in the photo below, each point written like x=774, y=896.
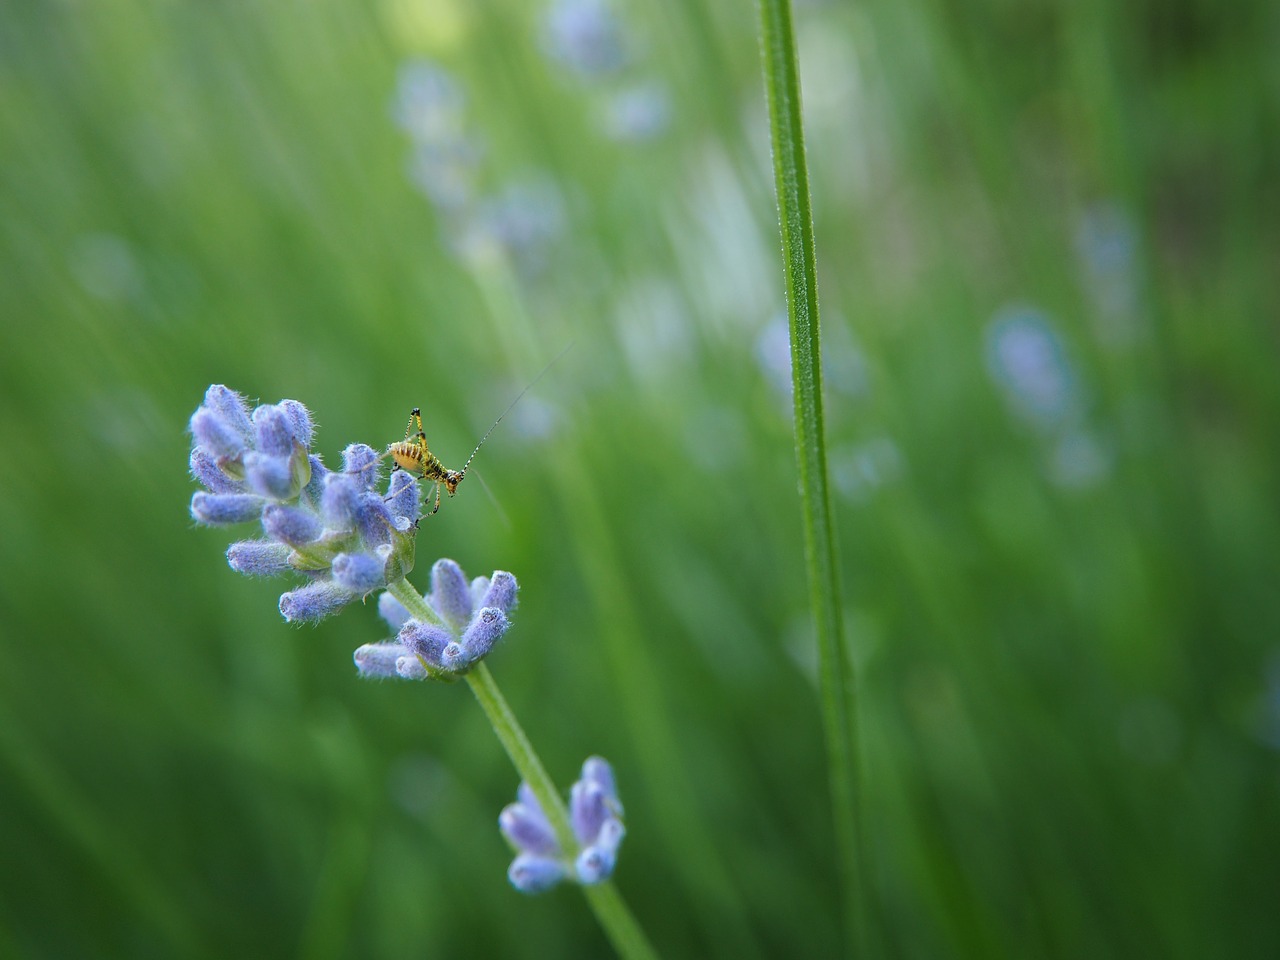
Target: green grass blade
x=782, y=88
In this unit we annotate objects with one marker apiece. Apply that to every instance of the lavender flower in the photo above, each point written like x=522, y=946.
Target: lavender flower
x=638, y=113
x=333, y=528
x=1026, y=357
x=472, y=615
x=596, y=814
x=350, y=539
x=585, y=36
x=430, y=106
x=521, y=222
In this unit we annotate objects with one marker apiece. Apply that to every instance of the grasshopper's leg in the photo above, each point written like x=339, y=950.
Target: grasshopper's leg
x=436, y=508
x=414, y=415
x=392, y=490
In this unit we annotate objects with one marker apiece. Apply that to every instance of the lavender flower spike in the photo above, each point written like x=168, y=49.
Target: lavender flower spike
x=336, y=529
x=541, y=862
x=449, y=649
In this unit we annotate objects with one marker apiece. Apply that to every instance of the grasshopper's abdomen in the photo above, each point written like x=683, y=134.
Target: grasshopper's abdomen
x=414, y=457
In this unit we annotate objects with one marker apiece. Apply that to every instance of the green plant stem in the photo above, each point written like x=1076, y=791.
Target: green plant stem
x=782, y=89
x=610, y=909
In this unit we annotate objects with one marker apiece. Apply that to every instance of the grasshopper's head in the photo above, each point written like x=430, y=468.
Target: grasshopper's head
x=451, y=480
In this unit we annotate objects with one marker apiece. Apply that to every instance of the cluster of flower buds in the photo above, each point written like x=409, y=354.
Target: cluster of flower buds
x=596, y=814
x=335, y=528
x=472, y=618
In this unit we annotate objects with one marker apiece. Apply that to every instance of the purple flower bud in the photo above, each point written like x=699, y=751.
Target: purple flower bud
x=588, y=810
x=272, y=430
x=586, y=36
x=528, y=830
x=259, y=558
x=479, y=587
x=530, y=873
x=361, y=461
x=425, y=640
x=378, y=659
x=410, y=667
x=299, y=421
x=526, y=796
x=450, y=595
x=340, y=501
x=358, y=572
x=292, y=525
x=314, y=601
x=429, y=102
x=486, y=627
x=597, y=770
x=402, y=496
x=229, y=407
x=610, y=836
x=315, y=486
x=392, y=610
x=216, y=509
x=1026, y=357
x=374, y=520
x=501, y=592
x=269, y=475
x=206, y=470
x=454, y=658
x=595, y=865
x=214, y=436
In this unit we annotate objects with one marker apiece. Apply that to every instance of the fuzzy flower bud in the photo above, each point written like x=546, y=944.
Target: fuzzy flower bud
x=378, y=659
x=314, y=601
x=216, y=437
x=340, y=502
x=293, y=526
x=485, y=629
x=230, y=408
x=259, y=558
x=300, y=426
x=207, y=472
x=273, y=430
x=501, y=592
x=360, y=462
x=402, y=499
x=268, y=476
x=530, y=873
x=392, y=611
x=358, y=572
x=411, y=668
x=219, y=509
x=425, y=640
x=450, y=593
x=374, y=520
x=527, y=829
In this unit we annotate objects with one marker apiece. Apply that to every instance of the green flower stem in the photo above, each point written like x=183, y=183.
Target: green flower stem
x=782, y=88
x=610, y=909
x=521, y=752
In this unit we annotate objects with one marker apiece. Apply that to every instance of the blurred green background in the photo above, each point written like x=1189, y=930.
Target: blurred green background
x=1048, y=248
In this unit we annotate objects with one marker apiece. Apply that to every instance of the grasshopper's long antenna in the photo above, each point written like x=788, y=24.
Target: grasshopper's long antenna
x=506, y=520
x=510, y=405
